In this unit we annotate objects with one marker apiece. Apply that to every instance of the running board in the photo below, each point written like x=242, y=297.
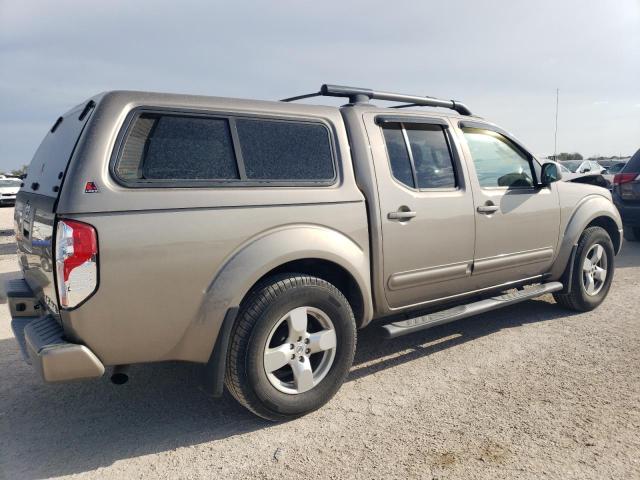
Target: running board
x=405, y=327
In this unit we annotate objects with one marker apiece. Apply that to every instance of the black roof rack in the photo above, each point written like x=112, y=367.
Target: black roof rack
x=363, y=95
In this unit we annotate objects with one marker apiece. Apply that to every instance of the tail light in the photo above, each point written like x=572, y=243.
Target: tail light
x=76, y=262
x=625, y=187
x=621, y=178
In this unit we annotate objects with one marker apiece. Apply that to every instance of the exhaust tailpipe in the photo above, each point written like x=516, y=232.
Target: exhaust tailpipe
x=120, y=375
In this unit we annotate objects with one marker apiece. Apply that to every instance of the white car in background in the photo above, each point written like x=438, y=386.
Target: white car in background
x=583, y=166
x=580, y=171
x=8, y=190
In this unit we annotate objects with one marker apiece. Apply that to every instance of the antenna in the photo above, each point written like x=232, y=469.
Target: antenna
x=555, y=137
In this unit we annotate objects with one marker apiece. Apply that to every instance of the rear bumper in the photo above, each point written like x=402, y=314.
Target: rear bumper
x=42, y=340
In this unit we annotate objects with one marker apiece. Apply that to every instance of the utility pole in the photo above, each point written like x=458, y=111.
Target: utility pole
x=555, y=137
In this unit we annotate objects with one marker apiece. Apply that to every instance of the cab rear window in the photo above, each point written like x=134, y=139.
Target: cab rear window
x=194, y=150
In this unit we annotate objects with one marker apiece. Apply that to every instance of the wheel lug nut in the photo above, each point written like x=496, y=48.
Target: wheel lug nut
x=291, y=346
x=306, y=340
x=301, y=358
x=293, y=356
x=299, y=339
x=307, y=351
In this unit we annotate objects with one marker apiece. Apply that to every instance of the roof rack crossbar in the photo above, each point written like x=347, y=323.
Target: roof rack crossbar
x=363, y=95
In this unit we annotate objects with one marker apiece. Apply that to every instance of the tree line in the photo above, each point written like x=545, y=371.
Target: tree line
x=566, y=156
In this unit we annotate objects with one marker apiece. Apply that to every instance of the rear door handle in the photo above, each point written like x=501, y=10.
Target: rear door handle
x=488, y=208
x=401, y=215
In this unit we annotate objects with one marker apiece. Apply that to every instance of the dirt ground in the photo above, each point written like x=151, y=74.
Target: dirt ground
x=531, y=391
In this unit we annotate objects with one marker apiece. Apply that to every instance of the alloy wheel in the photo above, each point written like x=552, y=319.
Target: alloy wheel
x=300, y=350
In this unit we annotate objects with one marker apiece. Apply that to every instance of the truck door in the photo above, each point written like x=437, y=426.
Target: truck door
x=517, y=221
x=426, y=208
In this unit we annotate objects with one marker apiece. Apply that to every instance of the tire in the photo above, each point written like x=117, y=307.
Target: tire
x=580, y=299
x=632, y=234
x=267, y=323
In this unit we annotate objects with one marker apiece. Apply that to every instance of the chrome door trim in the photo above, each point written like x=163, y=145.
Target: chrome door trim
x=510, y=260
x=425, y=276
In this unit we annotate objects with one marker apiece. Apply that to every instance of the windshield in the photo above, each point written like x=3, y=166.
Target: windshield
x=10, y=182
x=572, y=165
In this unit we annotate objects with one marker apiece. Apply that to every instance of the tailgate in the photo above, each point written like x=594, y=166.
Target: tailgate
x=34, y=220
x=34, y=215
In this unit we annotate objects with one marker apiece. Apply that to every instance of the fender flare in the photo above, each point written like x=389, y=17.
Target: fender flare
x=585, y=212
x=276, y=247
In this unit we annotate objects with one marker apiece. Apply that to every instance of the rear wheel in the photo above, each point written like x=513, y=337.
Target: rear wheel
x=291, y=348
x=593, y=269
x=632, y=234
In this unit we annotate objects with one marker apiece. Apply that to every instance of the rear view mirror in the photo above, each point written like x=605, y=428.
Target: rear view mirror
x=550, y=173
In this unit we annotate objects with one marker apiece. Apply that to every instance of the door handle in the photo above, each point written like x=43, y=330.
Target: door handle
x=487, y=208
x=401, y=215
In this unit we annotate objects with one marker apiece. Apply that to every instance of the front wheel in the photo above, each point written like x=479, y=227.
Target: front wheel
x=291, y=348
x=593, y=269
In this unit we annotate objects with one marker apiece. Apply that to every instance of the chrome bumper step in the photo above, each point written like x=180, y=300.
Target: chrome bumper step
x=423, y=322
x=56, y=359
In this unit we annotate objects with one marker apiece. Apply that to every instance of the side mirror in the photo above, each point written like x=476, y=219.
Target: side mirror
x=550, y=173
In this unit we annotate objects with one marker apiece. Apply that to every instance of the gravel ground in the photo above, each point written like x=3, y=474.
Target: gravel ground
x=530, y=391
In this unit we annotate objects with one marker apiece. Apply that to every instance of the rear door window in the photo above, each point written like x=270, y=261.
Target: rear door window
x=431, y=156
x=419, y=155
x=398, y=154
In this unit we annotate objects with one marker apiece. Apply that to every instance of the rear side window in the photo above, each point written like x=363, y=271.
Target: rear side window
x=633, y=165
x=170, y=147
x=189, y=150
x=282, y=150
x=419, y=155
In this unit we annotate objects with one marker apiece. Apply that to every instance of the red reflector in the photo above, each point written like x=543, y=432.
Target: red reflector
x=621, y=178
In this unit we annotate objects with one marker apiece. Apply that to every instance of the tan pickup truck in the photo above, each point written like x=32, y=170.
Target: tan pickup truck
x=257, y=237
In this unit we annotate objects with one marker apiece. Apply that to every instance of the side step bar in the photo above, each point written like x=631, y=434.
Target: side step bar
x=405, y=327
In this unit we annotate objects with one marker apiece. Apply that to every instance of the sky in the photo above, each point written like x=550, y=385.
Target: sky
x=504, y=59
